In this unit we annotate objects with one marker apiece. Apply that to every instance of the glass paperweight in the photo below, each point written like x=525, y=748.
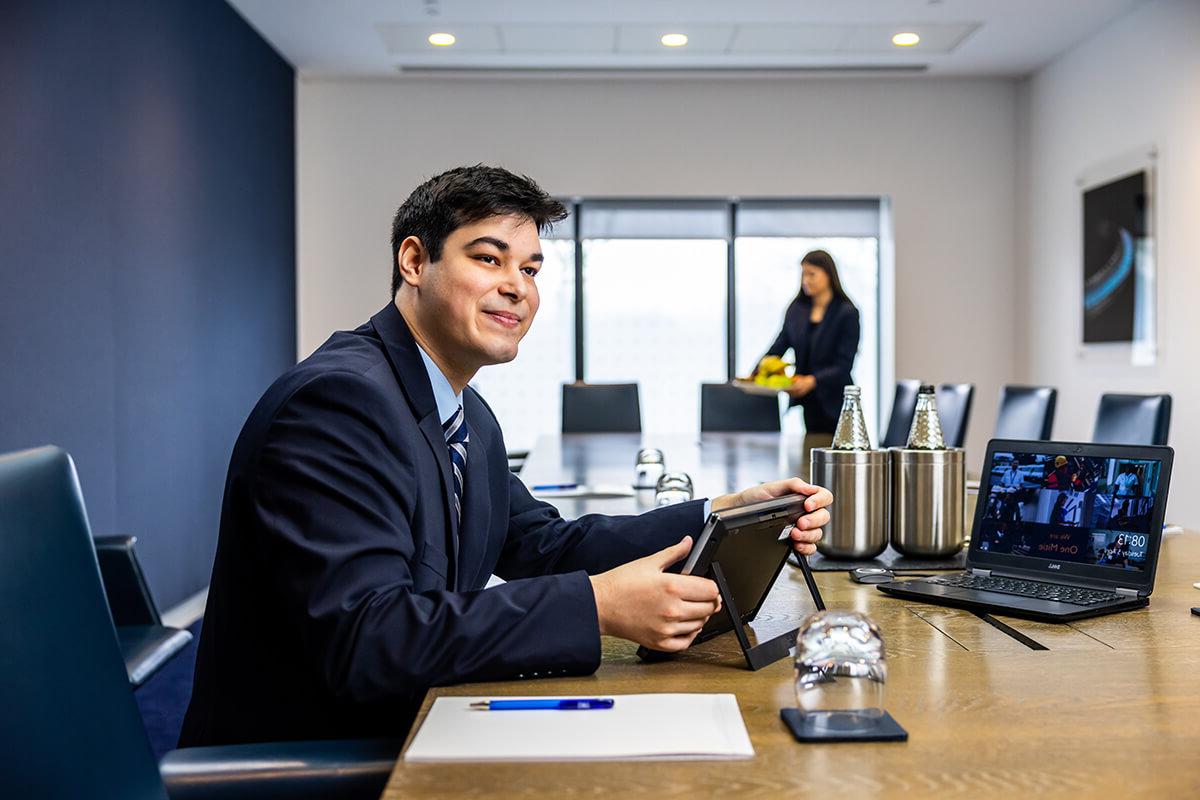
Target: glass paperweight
x=649, y=468
x=673, y=487
x=841, y=671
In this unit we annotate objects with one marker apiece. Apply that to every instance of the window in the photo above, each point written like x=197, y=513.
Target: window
x=654, y=303
x=768, y=278
x=654, y=313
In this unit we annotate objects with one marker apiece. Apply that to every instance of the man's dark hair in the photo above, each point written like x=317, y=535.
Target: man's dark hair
x=464, y=195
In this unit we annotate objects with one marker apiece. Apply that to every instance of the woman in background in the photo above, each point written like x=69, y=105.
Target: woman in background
x=821, y=327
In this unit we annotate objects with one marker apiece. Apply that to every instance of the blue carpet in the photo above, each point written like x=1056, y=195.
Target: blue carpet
x=164, y=698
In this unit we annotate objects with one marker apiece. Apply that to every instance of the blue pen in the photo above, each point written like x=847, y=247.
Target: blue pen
x=550, y=487
x=546, y=704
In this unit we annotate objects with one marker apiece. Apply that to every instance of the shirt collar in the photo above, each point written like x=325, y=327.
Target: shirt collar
x=448, y=402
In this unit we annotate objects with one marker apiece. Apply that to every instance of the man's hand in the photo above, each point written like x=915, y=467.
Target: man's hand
x=660, y=610
x=807, y=529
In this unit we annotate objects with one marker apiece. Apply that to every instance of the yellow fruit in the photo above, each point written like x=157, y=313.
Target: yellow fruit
x=771, y=365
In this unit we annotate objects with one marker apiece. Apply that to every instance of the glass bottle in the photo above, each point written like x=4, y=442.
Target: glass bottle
x=926, y=430
x=851, y=431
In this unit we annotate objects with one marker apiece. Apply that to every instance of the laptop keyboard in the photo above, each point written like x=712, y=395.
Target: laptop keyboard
x=1034, y=589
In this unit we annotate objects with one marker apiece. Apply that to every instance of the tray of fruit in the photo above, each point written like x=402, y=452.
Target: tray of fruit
x=770, y=378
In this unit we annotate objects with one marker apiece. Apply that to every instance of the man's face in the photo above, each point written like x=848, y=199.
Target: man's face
x=479, y=299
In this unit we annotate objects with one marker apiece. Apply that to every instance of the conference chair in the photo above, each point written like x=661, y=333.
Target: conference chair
x=71, y=726
x=601, y=408
x=146, y=643
x=1026, y=412
x=904, y=405
x=516, y=461
x=954, y=410
x=726, y=408
x=1133, y=419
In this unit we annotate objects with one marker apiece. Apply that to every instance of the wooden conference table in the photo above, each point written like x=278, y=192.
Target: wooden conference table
x=1110, y=707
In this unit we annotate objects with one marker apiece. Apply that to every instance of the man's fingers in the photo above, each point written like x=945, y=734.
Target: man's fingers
x=673, y=644
x=692, y=587
x=808, y=522
x=689, y=628
x=671, y=555
x=820, y=498
x=689, y=611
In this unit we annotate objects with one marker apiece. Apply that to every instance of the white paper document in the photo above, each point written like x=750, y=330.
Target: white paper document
x=638, y=726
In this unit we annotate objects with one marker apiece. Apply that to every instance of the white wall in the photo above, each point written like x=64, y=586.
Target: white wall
x=1136, y=82
x=943, y=150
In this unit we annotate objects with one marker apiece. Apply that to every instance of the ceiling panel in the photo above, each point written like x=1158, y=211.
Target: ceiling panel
x=961, y=37
x=415, y=38
x=643, y=39
x=934, y=38
x=789, y=38
x=559, y=38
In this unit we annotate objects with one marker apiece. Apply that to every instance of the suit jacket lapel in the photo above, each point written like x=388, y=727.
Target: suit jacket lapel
x=477, y=511
x=410, y=371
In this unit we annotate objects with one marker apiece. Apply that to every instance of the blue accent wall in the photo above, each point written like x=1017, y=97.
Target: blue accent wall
x=147, y=255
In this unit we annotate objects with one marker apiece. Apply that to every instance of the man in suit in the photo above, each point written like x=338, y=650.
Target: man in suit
x=369, y=499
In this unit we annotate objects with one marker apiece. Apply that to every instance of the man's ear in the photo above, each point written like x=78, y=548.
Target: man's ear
x=412, y=258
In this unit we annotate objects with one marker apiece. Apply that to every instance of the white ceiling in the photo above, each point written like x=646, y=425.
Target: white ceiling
x=958, y=37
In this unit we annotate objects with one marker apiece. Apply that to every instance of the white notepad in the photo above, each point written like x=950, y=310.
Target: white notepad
x=638, y=726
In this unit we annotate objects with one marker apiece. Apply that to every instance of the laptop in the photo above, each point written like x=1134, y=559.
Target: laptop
x=1062, y=531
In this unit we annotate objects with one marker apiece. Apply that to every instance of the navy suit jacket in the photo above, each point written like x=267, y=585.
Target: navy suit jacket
x=831, y=357
x=342, y=587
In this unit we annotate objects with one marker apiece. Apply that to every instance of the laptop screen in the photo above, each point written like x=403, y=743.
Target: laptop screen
x=1090, y=510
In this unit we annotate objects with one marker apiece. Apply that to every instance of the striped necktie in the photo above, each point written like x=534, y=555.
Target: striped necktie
x=457, y=435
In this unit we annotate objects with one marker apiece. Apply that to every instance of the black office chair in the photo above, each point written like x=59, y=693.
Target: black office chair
x=601, y=408
x=954, y=410
x=145, y=642
x=726, y=408
x=71, y=726
x=1026, y=412
x=903, y=407
x=516, y=461
x=1133, y=419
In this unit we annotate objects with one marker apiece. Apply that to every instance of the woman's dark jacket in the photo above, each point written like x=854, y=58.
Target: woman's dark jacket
x=826, y=351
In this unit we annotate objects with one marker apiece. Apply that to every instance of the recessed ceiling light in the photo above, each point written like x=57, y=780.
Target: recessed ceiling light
x=906, y=39
x=674, y=39
x=442, y=39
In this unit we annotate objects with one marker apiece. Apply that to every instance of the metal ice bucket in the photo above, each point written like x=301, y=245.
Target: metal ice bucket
x=858, y=518
x=928, y=495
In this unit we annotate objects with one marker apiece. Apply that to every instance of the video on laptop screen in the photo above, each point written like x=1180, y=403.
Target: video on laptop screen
x=1084, y=509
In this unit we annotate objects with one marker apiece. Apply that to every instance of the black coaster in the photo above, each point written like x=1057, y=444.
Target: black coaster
x=842, y=726
x=890, y=559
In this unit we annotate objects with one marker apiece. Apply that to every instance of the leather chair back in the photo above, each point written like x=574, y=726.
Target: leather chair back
x=601, y=408
x=71, y=726
x=954, y=409
x=725, y=408
x=903, y=407
x=1133, y=419
x=129, y=598
x=1026, y=412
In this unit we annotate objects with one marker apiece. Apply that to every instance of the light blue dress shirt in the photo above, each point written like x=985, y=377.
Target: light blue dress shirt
x=447, y=401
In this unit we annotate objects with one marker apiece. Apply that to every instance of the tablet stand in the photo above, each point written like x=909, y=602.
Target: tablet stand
x=768, y=652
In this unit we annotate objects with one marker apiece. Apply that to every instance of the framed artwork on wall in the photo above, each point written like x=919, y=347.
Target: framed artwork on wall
x=1119, y=303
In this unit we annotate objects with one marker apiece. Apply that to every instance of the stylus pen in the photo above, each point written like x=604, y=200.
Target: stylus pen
x=550, y=487
x=546, y=704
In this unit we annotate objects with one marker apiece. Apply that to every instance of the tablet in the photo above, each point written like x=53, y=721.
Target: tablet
x=751, y=543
